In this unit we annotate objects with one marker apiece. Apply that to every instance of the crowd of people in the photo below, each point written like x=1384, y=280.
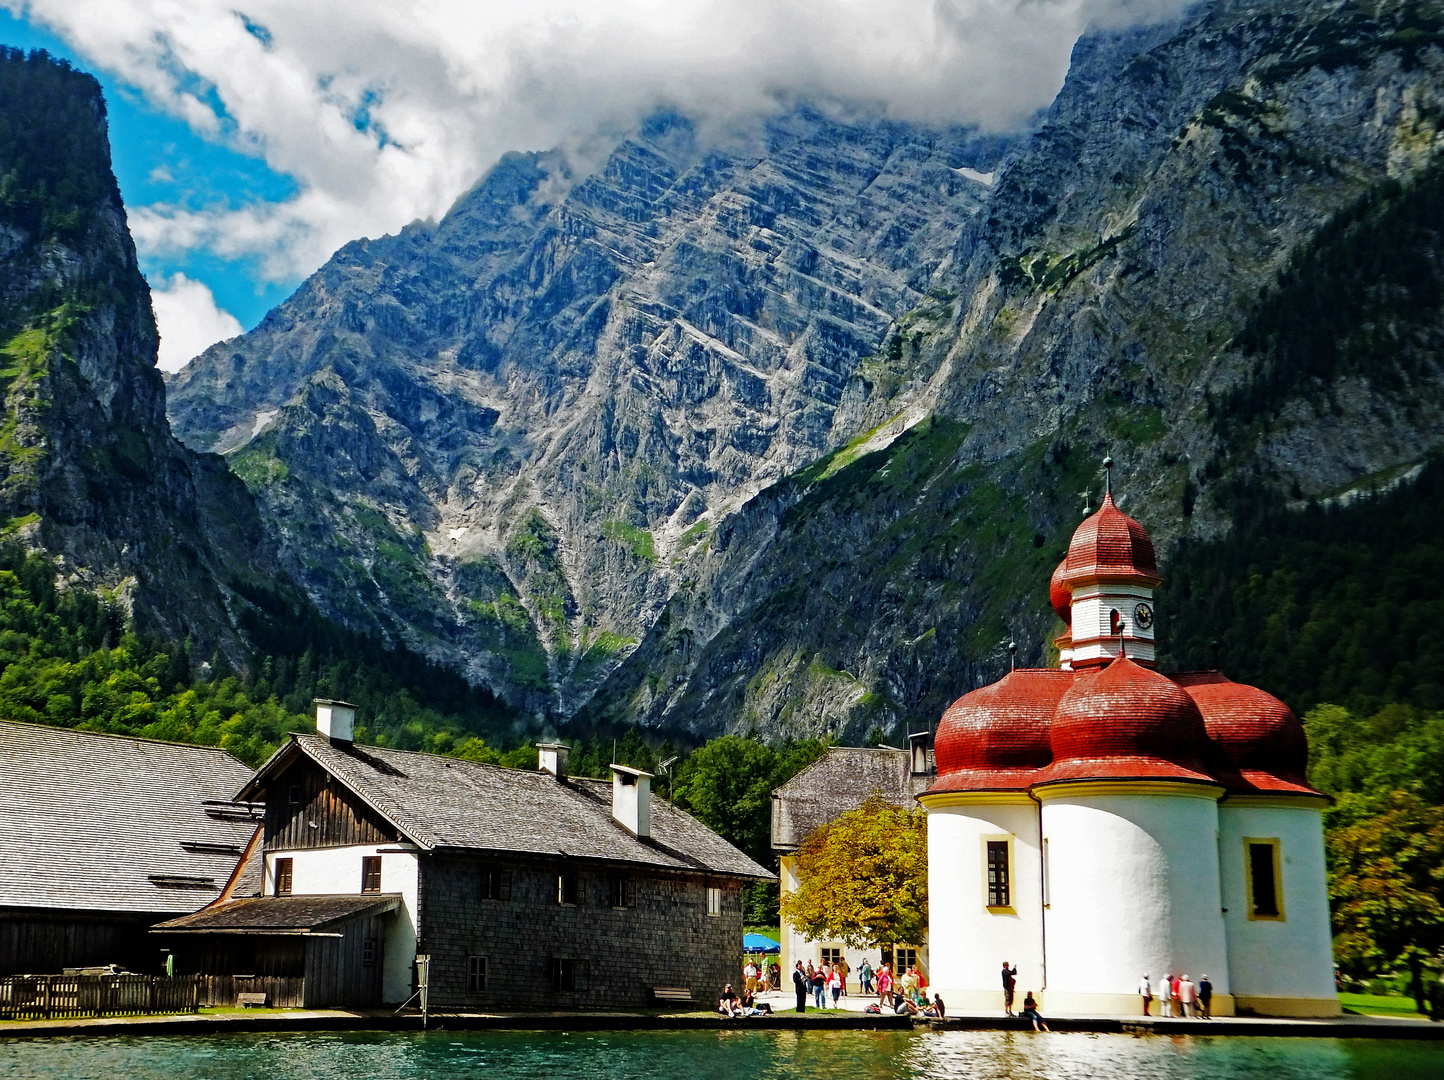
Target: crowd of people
x=1178, y=996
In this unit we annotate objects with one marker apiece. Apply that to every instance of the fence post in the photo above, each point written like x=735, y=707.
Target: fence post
x=48, y=979
x=195, y=993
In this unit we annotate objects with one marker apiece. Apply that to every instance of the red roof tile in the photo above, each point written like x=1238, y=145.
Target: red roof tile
x=1110, y=544
x=1060, y=596
x=1259, y=734
x=996, y=738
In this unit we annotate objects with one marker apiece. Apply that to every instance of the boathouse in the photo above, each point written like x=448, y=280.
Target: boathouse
x=501, y=888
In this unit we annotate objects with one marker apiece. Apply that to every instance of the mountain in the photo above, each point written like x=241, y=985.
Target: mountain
x=784, y=429
x=89, y=470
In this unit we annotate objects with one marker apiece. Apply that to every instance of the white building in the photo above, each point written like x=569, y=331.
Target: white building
x=1100, y=821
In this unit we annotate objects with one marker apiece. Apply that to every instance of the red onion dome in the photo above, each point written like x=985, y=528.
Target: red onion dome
x=1060, y=596
x=1110, y=544
x=1127, y=722
x=996, y=738
x=1259, y=734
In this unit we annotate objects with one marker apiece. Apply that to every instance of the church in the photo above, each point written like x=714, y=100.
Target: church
x=1101, y=820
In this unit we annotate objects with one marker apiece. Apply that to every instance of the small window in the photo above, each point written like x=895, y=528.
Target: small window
x=368, y=952
x=906, y=958
x=831, y=955
x=283, y=877
x=567, y=973
x=495, y=883
x=622, y=891
x=567, y=890
x=476, y=975
x=294, y=798
x=999, y=891
x=1263, y=879
x=714, y=901
x=371, y=873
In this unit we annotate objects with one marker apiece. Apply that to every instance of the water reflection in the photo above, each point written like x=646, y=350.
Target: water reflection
x=727, y=1055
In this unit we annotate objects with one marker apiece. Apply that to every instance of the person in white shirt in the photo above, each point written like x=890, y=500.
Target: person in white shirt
x=1145, y=991
x=1165, y=996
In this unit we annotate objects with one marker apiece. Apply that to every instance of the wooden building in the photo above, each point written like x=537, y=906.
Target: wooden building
x=102, y=836
x=522, y=888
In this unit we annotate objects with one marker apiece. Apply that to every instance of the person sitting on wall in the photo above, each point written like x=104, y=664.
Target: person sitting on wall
x=1030, y=1012
x=727, y=1003
x=937, y=1010
x=902, y=1006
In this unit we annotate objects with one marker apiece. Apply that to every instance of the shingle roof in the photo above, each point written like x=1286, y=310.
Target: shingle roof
x=1110, y=544
x=444, y=802
x=281, y=914
x=112, y=823
x=839, y=781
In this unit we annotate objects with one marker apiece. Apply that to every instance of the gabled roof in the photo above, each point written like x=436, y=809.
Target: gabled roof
x=839, y=781
x=113, y=823
x=443, y=802
x=286, y=915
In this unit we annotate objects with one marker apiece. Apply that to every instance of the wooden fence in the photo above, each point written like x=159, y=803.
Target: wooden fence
x=224, y=991
x=46, y=997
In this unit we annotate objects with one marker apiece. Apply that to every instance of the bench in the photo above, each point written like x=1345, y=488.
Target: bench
x=676, y=994
x=252, y=1001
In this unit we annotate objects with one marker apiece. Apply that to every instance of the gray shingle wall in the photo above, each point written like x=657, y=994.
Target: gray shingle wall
x=667, y=939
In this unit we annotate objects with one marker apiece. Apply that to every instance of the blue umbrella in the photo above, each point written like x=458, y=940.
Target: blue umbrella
x=760, y=943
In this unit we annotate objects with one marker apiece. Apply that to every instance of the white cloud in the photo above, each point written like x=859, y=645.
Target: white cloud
x=189, y=320
x=386, y=112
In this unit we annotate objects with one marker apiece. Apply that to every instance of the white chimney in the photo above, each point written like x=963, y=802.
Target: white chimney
x=918, y=748
x=551, y=757
x=632, y=799
x=336, y=720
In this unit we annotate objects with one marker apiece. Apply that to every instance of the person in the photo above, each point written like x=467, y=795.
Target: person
x=819, y=987
x=910, y=983
x=799, y=983
x=749, y=978
x=1010, y=981
x=727, y=1003
x=903, y=1007
x=1165, y=996
x=864, y=975
x=834, y=983
x=938, y=1004
x=844, y=969
x=1030, y=1012
x=1145, y=991
x=884, y=985
x=774, y=975
x=1205, y=997
x=1187, y=995
x=1173, y=994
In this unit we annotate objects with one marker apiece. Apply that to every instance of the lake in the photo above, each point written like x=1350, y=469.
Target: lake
x=724, y=1055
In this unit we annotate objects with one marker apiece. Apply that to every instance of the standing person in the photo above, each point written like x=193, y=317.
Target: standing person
x=1173, y=984
x=834, y=983
x=819, y=986
x=749, y=977
x=1145, y=991
x=884, y=985
x=864, y=975
x=1187, y=995
x=1165, y=996
x=1205, y=996
x=799, y=983
x=1030, y=1012
x=1010, y=981
x=844, y=968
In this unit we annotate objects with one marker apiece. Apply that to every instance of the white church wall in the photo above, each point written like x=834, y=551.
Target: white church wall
x=968, y=940
x=1278, y=966
x=338, y=870
x=1133, y=887
x=1092, y=629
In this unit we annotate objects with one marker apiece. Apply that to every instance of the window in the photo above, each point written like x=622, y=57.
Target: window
x=999, y=890
x=622, y=891
x=476, y=975
x=294, y=797
x=371, y=873
x=714, y=901
x=368, y=952
x=906, y=958
x=567, y=890
x=495, y=883
x=1262, y=864
x=831, y=955
x=567, y=973
x=283, y=877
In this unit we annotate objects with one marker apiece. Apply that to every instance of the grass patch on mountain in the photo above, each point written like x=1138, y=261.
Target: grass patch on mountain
x=634, y=538
x=534, y=550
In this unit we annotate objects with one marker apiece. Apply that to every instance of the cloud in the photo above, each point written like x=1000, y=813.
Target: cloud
x=385, y=112
x=188, y=319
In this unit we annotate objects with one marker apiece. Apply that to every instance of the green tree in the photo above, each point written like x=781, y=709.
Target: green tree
x=864, y=877
x=1386, y=884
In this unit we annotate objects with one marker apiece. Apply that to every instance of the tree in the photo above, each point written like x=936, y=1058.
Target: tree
x=864, y=877
x=1386, y=884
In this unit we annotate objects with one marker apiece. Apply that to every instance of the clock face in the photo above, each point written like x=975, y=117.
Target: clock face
x=1143, y=616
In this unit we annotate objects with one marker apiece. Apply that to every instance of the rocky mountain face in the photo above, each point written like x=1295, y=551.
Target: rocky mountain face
x=786, y=430
x=88, y=468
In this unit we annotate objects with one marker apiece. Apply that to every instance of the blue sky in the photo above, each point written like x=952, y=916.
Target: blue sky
x=159, y=159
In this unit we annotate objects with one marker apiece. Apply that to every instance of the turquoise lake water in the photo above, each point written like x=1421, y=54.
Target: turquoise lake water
x=734, y=1055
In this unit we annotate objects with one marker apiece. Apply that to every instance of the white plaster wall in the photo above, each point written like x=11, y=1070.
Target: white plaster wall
x=1090, y=611
x=338, y=870
x=967, y=942
x=1133, y=887
x=1292, y=958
